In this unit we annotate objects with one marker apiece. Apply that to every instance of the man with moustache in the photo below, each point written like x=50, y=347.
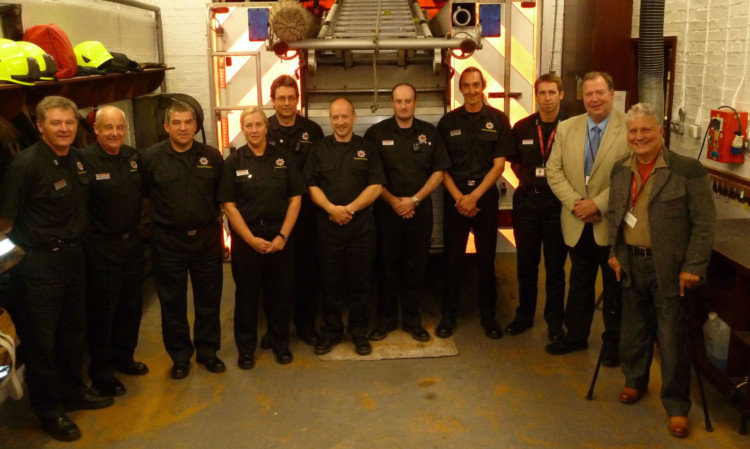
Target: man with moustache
x=345, y=176
x=295, y=134
x=114, y=253
x=43, y=209
x=414, y=159
x=536, y=213
x=478, y=138
x=598, y=139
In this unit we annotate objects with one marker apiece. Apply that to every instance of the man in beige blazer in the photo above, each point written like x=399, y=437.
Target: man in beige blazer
x=585, y=150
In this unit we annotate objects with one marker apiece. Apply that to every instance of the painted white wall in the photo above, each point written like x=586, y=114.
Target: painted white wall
x=713, y=65
x=132, y=31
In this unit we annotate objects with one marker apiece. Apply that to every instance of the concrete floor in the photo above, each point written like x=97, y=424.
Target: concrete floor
x=504, y=393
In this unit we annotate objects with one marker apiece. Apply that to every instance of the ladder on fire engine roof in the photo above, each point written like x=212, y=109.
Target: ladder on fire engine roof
x=376, y=19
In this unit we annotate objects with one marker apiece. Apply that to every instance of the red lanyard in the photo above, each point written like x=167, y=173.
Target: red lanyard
x=635, y=192
x=545, y=153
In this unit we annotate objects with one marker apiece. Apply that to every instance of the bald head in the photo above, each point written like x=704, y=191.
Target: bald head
x=342, y=119
x=110, y=128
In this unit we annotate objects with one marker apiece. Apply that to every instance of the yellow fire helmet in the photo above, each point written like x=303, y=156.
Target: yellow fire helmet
x=47, y=65
x=15, y=66
x=92, y=54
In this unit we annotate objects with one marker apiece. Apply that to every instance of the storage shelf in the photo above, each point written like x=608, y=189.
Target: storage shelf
x=85, y=91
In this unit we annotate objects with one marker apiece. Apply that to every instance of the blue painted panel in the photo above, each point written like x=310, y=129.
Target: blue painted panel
x=257, y=24
x=489, y=18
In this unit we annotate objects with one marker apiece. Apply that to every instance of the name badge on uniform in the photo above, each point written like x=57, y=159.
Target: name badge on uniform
x=243, y=173
x=60, y=184
x=528, y=141
x=455, y=132
x=387, y=143
x=102, y=176
x=630, y=220
x=541, y=172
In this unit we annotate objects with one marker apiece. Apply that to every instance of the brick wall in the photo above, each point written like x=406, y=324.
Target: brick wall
x=713, y=64
x=185, y=48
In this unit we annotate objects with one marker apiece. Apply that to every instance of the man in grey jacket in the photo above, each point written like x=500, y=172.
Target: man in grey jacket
x=661, y=216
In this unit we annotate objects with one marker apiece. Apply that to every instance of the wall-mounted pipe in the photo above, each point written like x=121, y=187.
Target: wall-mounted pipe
x=384, y=44
x=651, y=54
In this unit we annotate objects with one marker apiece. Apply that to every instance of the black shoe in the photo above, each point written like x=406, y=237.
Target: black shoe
x=564, y=346
x=380, y=332
x=265, y=341
x=60, y=428
x=112, y=386
x=555, y=333
x=283, y=356
x=132, y=368
x=308, y=336
x=180, y=370
x=492, y=329
x=417, y=332
x=610, y=355
x=88, y=399
x=326, y=344
x=246, y=361
x=362, y=345
x=445, y=327
x=517, y=326
x=212, y=363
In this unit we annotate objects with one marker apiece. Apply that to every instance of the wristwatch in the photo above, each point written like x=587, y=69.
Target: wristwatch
x=284, y=236
x=416, y=201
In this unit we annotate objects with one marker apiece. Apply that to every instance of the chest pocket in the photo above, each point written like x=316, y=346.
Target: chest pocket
x=280, y=173
x=205, y=173
x=57, y=187
x=673, y=202
x=166, y=176
x=528, y=146
x=360, y=165
x=487, y=136
x=135, y=178
x=457, y=149
x=422, y=156
x=110, y=180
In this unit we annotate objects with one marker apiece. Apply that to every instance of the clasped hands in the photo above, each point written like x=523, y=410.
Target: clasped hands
x=467, y=205
x=587, y=211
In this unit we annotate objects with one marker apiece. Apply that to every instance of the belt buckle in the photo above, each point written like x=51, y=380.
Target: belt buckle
x=640, y=251
x=471, y=182
x=192, y=232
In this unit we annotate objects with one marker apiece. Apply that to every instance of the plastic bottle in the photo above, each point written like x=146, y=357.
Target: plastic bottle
x=716, y=335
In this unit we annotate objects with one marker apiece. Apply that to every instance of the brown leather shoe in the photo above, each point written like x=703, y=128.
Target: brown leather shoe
x=679, y=426
x=631, y=395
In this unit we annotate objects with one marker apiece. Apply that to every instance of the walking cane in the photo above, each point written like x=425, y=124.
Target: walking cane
x=694, y=361
x=590, y=394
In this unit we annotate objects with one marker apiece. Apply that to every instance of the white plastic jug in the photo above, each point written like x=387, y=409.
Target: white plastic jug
x=716, y=336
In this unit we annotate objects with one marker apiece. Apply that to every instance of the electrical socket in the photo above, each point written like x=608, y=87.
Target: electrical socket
x=695, y=131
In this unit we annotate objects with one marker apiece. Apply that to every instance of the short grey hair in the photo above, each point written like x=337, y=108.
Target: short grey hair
x=51, y=102
x=178, y=106
x=645, y=110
